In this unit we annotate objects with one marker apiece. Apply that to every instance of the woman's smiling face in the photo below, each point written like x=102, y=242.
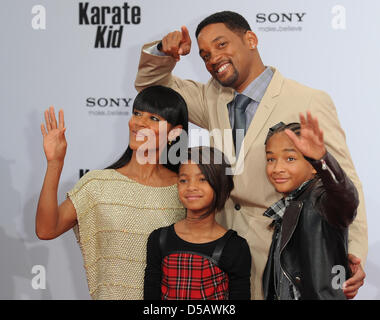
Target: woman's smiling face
x=148, y=130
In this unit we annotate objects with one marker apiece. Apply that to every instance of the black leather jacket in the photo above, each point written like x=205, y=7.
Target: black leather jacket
x=314, y=235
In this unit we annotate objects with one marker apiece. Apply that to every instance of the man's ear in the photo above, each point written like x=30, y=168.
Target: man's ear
x=174, y=133
x=251, y=39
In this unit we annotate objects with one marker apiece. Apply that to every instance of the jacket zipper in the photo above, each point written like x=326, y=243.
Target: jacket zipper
x=326, y=167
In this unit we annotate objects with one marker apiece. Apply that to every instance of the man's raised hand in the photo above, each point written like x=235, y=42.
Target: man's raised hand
x=177, y=43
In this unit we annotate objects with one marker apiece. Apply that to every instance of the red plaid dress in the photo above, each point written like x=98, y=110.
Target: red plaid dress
x=189, y=275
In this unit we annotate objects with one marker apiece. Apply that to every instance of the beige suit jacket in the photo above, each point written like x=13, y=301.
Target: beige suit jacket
x=283, y=101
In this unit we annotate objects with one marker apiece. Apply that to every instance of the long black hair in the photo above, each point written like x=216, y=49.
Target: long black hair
x=170, y=105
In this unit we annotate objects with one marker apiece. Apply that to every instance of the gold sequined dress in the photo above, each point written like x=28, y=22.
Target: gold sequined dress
x=115, y=217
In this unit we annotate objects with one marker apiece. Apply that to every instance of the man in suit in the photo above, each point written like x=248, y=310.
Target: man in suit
x=228, y=48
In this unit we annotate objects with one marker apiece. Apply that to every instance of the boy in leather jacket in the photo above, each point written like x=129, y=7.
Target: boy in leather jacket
x=308, y=254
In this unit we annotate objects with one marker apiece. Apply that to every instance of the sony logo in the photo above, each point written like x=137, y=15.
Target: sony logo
x=108, y=102
x=280, y=17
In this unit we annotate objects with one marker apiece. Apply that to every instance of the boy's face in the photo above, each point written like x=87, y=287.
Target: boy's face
x=286, y=167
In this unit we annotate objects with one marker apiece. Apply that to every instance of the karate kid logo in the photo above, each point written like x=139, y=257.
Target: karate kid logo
x=110, y=22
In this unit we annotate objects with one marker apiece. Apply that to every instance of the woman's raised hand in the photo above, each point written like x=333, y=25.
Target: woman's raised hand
x=54, y=136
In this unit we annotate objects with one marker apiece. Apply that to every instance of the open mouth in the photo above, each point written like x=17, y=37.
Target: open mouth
x=221, y=69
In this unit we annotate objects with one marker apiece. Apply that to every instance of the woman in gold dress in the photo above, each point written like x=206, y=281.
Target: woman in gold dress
x=114, y=210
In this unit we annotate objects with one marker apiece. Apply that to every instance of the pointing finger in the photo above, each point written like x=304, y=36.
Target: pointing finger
x=185, y=45
x=185, y=34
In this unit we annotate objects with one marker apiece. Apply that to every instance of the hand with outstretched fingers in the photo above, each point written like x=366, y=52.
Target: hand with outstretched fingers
x=177, y=43
x=310, y=142
x=54, y=140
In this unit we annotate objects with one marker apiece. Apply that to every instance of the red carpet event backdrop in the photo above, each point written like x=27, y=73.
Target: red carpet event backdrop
x=82, y=57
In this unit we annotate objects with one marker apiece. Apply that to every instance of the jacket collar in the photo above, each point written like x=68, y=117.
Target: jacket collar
x=276, y=211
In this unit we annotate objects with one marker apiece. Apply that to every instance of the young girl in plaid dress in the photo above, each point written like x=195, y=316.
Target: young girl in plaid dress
x=196, y=258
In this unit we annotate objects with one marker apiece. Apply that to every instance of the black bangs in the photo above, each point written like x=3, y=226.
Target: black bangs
x=164, y=102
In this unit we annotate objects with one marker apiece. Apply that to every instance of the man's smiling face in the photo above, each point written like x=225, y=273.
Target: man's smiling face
x=227, y=55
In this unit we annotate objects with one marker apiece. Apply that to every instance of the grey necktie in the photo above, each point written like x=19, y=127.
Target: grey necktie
x=240, y=104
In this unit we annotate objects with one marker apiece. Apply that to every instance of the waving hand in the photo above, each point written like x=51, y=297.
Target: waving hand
x=310, y=142
x=54, y=140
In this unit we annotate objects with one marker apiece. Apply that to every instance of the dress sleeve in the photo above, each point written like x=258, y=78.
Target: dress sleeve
x=237, y=258
x=82, y=195
x=153, y=272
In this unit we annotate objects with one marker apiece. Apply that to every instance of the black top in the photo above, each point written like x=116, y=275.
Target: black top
x=235, y=260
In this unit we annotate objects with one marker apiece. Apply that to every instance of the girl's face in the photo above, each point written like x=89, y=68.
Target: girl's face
x=194, y=191
x=148, y=129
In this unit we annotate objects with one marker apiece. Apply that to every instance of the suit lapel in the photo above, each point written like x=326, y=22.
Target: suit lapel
x=226, y=95
x=264, y=110
x=222, y=139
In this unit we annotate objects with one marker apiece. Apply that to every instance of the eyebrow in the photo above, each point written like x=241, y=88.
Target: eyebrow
x=213, y=41
x=287, y=150
x=217, y=38
x=185, y=174
x=151, y=113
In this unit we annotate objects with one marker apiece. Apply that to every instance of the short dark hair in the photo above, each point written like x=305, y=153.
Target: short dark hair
x=213, y=165
x=232, y=20
x=168, y=104
x=279, y=127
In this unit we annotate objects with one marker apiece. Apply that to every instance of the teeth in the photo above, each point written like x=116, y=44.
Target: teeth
x=222, y=68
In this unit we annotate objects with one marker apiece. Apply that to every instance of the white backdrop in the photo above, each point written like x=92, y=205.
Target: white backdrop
x=49, y=58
